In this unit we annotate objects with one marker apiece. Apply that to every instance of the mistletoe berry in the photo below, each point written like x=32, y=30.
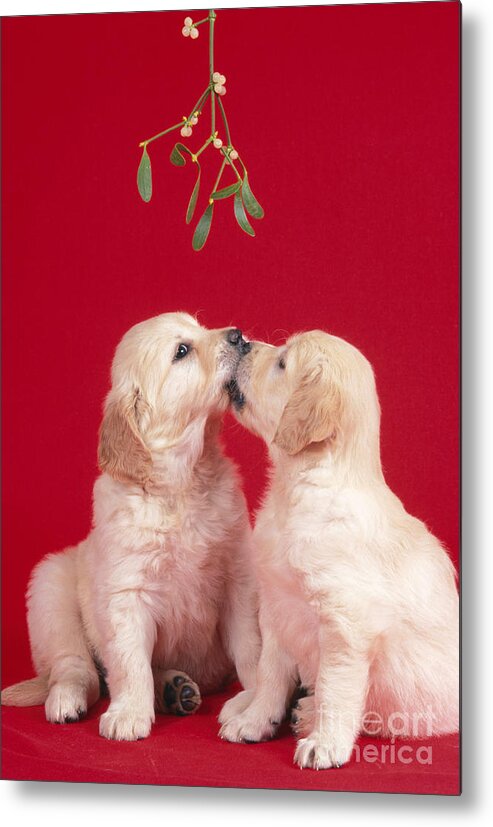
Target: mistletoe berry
x=190, y=28
x=219, y=81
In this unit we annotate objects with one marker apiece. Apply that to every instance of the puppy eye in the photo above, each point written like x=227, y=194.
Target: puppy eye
x=181, y=352
x=281, y=363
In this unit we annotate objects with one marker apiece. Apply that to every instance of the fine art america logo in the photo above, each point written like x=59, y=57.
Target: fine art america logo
x=392, y=753
x=397, y=725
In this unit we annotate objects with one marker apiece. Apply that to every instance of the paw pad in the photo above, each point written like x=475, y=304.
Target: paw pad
x=181, y=695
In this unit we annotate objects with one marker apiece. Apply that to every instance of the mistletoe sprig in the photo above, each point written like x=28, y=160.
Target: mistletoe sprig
x=240, y=191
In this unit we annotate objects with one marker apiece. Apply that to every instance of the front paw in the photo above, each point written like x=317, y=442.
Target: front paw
x=236, y=705
x=321, y=753
x=249, y=727
x=123, y=723
x=66, y=703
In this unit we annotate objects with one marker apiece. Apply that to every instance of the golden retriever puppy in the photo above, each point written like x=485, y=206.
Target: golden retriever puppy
x=358, y=599
x=162, y=582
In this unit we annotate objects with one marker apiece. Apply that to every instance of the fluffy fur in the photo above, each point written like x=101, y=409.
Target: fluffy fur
x=163, y=580
x=358, y=599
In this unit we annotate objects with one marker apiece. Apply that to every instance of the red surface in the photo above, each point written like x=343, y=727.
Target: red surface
x=187, y=751
x=347, y=118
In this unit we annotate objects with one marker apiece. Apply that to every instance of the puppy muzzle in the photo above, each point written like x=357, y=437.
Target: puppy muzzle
x=234, y=337
x=236, y=396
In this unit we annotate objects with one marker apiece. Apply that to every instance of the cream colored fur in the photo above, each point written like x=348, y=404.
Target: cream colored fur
x=357, y=598
x=163, y=580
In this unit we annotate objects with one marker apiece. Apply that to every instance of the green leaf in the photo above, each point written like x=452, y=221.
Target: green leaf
x=202, y=229
x=241, y=215
x=176, y=157
x=252, y=206
x=144, y=177
x=193, y=198
x=226, y=192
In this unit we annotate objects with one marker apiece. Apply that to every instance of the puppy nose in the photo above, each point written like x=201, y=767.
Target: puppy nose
x=234, y=336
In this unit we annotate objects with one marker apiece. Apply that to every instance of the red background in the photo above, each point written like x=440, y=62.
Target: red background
x=348, y=120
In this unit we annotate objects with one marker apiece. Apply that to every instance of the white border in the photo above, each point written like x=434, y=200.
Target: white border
x=18, y=7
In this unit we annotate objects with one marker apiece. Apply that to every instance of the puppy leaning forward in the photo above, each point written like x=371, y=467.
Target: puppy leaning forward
x=357, y=598
x=163, y=580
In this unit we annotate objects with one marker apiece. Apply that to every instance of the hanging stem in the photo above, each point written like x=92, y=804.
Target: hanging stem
x=225, y=121
x=212, y=18
x=220, y=175
x=204, y=146
x=228, y=160
x=205, y=94
x=160, y=134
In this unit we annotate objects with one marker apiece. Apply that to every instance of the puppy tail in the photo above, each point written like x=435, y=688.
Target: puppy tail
x=27, y=693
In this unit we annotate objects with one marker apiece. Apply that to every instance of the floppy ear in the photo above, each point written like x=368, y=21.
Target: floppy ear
x=121, y=451
x=312, y=414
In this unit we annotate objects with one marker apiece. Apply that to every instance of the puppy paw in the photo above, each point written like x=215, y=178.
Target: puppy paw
x=176, y=693
x=181, y=694
x=121, y=723
x=249, y=727
x=321, y=753
x=303, y=716
x=235, y=706
x=66, y=703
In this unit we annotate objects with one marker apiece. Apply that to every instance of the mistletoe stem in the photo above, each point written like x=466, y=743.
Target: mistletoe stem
x=212, y=18
x=160, y=134
x=225, y=121
x=205, y=94
x=245, y=171
x=231, y=163
x=204, y=146
x=220, y=175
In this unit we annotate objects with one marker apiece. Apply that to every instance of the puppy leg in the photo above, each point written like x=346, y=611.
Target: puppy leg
x=127, y=653
x=240, y=624
x=58, y=644
x=338, y=702
x=175, y=692
x=256, y=719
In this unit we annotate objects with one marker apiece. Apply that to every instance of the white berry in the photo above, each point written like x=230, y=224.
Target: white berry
x=216, y=77
x=222, y=80
x=194, y=120
x=185, y=31
x=222, y=90
x=186, y=131
x=218, y=143
x=194, y=33
x=233, y=155
x=188, y=21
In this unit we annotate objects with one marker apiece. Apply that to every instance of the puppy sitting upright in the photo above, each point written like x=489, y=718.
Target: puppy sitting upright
x=163, y=580
x=357, y=599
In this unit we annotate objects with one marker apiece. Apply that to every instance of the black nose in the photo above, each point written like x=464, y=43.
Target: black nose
x=234, y=336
